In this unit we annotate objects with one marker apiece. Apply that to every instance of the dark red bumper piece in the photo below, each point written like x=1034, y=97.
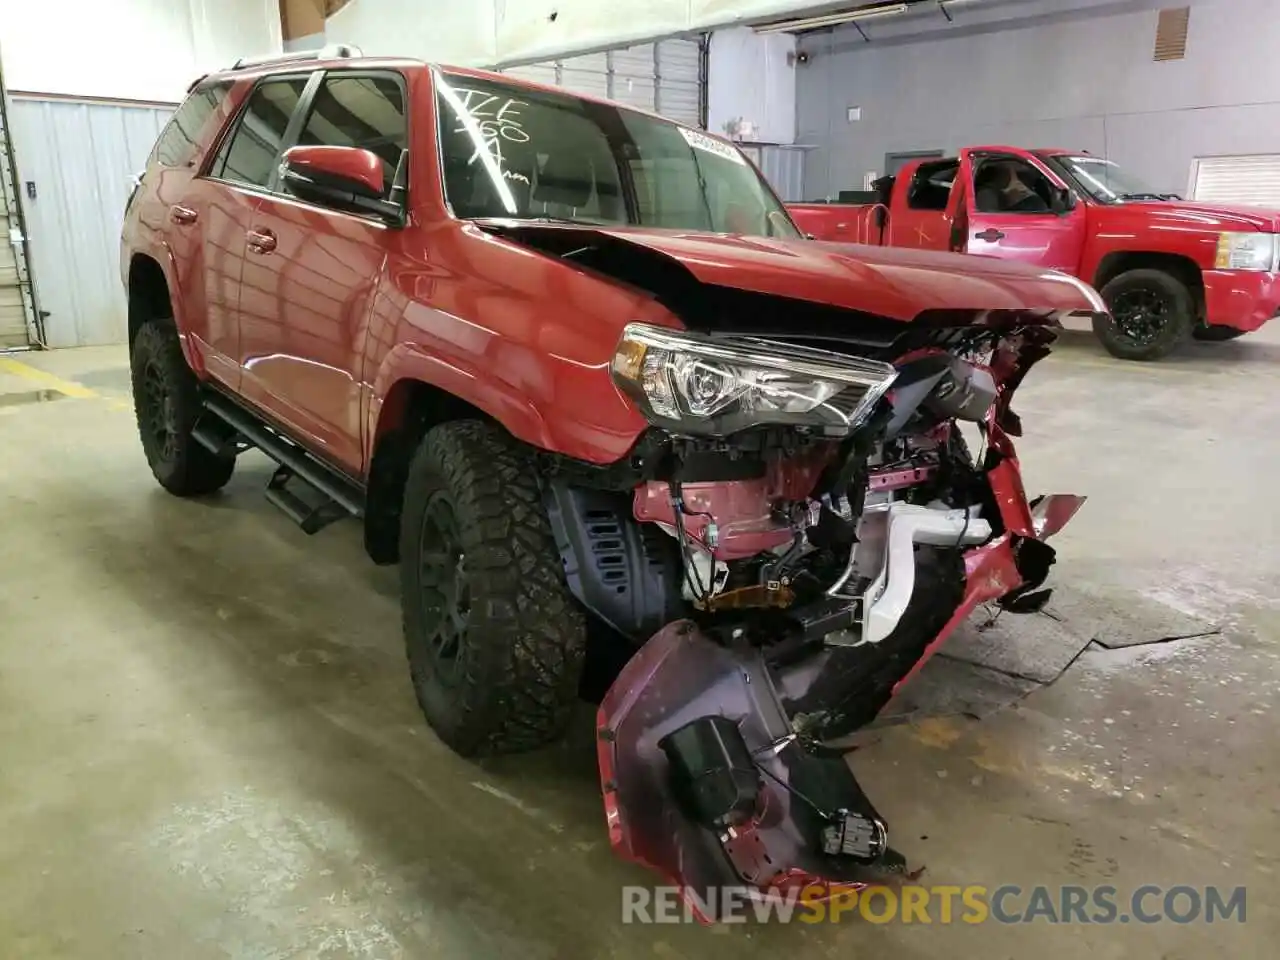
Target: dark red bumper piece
x=805, y=799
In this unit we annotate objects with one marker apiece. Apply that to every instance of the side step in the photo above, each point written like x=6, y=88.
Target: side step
x=231, y=430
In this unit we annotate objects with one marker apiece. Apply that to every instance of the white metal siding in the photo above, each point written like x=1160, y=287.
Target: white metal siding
x=80, y=156
x=1253, y=180
x=665, y=77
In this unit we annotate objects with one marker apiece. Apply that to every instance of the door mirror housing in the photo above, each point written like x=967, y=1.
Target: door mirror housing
x=348, y=178
x=1064, y=200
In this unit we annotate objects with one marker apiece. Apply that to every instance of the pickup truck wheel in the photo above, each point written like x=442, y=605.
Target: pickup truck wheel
x=1151, y=313
x=495, y=643
x=1216, y=333
x=166, y=400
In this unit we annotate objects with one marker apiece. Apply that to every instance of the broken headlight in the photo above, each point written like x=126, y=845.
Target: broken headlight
x=694, y=384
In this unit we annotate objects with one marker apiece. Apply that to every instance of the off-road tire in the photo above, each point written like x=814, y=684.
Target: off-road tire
x=1216, y=333
x=165, y=389
x=1176, y=323
x=513, y=685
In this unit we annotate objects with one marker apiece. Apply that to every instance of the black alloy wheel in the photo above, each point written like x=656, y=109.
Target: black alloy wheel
x=1150, y=313
x=157, y=417
x=1141, y=314
x=445, y=592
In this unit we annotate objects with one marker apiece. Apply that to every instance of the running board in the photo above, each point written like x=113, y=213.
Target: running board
x=231, y=430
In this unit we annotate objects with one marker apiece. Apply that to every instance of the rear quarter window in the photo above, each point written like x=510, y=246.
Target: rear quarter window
x=181, y=135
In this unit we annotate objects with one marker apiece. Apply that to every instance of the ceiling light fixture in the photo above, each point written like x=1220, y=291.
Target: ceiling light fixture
x=832, y=19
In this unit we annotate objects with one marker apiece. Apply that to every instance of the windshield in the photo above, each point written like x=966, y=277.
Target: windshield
x=508, y=151
x=1104, y=180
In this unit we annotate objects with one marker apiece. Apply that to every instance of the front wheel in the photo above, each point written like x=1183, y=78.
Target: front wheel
x=495, y=641
x=1151, y=313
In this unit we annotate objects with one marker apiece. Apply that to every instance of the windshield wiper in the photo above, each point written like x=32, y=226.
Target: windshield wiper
x=1143, y=196
x=542, y=218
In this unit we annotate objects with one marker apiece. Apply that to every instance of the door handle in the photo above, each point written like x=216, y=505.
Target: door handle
x=183, y=215
x=261, y=241
x=991, y=235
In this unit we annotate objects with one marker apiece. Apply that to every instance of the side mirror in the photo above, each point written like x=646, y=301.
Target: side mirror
x=343, y=177
x=1064, y=200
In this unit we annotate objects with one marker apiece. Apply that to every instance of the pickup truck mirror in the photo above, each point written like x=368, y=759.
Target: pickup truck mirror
x=1064, y=200
x=343, y=177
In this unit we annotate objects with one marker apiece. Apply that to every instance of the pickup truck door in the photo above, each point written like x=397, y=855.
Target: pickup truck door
x=1042, y=233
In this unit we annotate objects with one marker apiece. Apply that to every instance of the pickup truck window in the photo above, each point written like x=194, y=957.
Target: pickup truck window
x=509, y=151
x=1103, y=180
x=1008, y=184
x=931, y=186
x=366, y=111
x=250, y=153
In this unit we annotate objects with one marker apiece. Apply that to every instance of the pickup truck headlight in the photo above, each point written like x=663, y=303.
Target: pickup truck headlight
x=698, y=385
x=1247, y=251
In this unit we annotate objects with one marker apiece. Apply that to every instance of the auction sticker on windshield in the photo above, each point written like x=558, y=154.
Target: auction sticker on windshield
x=700, y=141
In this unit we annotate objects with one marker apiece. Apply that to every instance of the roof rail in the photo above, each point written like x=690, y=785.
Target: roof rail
x=334, y=51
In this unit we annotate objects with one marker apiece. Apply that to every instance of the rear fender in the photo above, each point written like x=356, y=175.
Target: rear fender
x=159, y=252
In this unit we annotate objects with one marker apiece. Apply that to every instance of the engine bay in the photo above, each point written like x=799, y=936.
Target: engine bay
x=776, y=586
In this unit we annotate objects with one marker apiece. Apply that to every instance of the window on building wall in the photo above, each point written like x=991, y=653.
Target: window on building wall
x=1250, y=179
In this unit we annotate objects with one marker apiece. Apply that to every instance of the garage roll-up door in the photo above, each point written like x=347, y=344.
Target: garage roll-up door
x=665, y=77
x=76, y=159
x=1253, y=180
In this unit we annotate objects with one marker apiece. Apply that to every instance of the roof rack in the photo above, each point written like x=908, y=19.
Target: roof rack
x=334, y=51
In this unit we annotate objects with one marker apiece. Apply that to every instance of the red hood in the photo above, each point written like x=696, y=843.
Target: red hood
x=1191, y=215
x=890, y=282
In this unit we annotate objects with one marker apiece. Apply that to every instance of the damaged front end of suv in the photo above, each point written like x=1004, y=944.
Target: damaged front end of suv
x=802, y=529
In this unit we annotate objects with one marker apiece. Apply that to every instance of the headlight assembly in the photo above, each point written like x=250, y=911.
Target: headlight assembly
x=707, y=386
x=1247, y=251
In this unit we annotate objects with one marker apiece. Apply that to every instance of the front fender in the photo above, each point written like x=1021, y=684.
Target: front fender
x=517, y=414
x=575, y=412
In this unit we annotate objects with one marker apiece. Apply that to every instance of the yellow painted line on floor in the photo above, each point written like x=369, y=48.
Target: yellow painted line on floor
x=46, y=379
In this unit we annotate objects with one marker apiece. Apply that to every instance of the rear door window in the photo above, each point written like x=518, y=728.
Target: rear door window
x=931, y=186
x=365, y=111
x=178, y=140
x=251, y=153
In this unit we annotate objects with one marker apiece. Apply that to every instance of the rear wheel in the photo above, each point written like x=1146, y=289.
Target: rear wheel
x=1151, y=313
x=494, y=640
x=1216, y=333
x=166, y=400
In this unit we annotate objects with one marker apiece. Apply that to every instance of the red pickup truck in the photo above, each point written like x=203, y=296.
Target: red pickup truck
x=1168, y=268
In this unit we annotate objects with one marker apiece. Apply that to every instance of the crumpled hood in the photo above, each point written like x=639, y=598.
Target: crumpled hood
x=890, y=282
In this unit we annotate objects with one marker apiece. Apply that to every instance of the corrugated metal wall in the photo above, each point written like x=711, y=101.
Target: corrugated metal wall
x=665, y=77
x=80, y=157
x=782, y=166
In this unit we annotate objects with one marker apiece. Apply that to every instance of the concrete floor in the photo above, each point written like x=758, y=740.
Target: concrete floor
x=209, y=747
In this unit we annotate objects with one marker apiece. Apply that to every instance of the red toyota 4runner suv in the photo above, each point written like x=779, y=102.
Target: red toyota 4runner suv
x=573, y=366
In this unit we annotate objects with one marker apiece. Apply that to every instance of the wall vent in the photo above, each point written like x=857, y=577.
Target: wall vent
x=1171, y=33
